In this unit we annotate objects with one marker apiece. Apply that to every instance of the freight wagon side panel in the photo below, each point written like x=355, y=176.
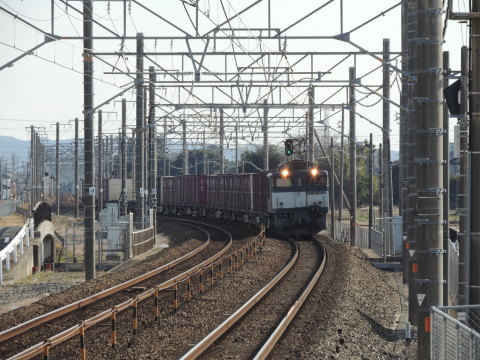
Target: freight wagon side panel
x=201, y=184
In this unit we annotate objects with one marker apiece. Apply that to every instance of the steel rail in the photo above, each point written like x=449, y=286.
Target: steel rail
x=21, y=328
x=268, y=346
x=199, y=349
x=39, y=348
x=211, y=338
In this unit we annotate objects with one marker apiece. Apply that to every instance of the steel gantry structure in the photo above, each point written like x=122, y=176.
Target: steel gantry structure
x=248, y=75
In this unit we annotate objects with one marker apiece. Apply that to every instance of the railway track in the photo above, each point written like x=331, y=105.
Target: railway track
x=255, y=328
x=90, y=312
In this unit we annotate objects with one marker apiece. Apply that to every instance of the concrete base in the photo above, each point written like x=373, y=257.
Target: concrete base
x=21, y=269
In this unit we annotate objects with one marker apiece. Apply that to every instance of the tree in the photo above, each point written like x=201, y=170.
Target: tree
x=254, y=159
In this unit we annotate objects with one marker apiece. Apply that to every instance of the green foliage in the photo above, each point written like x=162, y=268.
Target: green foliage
x=195, y=163
x=254, y=159
x=363, y=176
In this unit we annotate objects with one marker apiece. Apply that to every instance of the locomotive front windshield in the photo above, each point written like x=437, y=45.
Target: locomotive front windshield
x=317, y=180
x=283, y=182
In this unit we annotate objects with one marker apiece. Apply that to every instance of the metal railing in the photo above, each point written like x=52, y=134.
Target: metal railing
x=452, y=334
x=342, y=234
x=377, y=241
x=453, y=269
x=361, y=237
x=14, y=247
x=142, y=241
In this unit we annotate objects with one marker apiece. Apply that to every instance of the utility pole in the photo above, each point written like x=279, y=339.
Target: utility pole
x=310, y=125
x=410, y=242
x=474, y=154
x=381, y=178
x=446, y=173
x=387, y=175
x=342, y=167
x=165, y=146
x=332, y=189
x=430, y=162
x=140, y=143
x=205, y=158
x=353, y=159
x=265, y=136
x=134, y=159
x=185, y=148
x=152, y=169
x=100, y=162
x=76, y=169
x=123, y=160
x=464, y=255
x=236, y=149
x=222, y=136
x=89, y=183
x=57, y=167
x=370, y=190
x=403, y=167
x=32, y=171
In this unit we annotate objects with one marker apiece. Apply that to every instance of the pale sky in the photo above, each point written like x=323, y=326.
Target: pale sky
x=41, y=91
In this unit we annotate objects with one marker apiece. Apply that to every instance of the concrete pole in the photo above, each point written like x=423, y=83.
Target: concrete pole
x=236, y=149
x=430, y=162
x=123, y=160
x=32, y=171
x=57, y=167
x=134, y=159
x=370, y=190
x=184, y=147
x=152, y=168
x=266, y=164
x=342, y=166
x=410, y=243
x=446, y=173
x=332, y=189
x=205, y=158
x=222, y=136
x=111, y=159
x=387, y=175
x=474, y=150
x=106, y=159
x=89, y=182
x=100, y=162
x=35, y=169
x=146, y=169
x=140, y=143
x=164, y=147
x=310, y=125
x=76, y=169
x=464, y=256
x=403, y=167
x=353, y=159
x=381, y=206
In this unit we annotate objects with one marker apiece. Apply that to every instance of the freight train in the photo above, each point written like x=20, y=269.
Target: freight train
x=292, y=199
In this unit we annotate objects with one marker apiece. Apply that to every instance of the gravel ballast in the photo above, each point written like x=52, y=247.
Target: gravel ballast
x=351, y=314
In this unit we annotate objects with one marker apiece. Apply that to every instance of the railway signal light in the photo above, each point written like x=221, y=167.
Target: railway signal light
x=288, y=147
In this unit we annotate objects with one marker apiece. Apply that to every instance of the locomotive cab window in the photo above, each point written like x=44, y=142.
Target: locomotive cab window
x=317, y=180
x=283, y=182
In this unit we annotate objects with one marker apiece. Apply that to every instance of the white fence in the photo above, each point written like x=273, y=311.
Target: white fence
x=453, y=269
x=14, y=247
x=452, y=338
x=385, y=243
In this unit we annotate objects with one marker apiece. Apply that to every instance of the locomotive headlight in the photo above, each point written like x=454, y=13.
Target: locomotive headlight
x=285, y=172
x=314, y=171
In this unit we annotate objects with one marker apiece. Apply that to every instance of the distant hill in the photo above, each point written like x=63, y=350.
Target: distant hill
x=10, y=145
